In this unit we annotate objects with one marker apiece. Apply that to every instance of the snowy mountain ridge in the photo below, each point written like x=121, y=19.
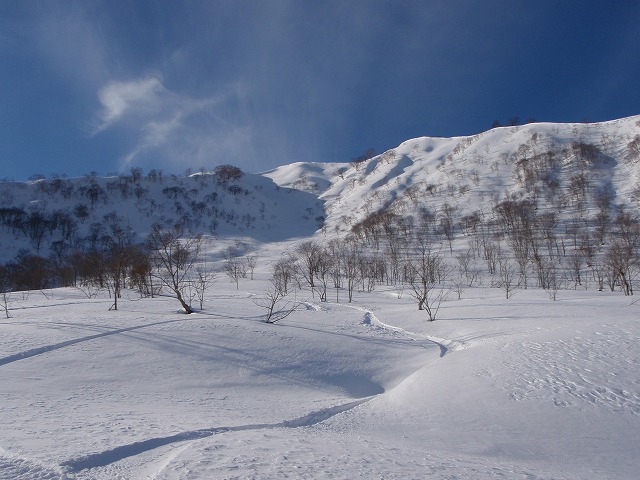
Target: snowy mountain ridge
x=476, y=172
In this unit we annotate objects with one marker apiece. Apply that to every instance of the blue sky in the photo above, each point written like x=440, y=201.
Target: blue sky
x=109, y=85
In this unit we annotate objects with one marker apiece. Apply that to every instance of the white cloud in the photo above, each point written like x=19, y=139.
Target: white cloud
x=138, y=96
x=174, y=129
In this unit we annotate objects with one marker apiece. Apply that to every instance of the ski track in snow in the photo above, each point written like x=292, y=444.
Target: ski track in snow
x=446, y=345
x=156, y=467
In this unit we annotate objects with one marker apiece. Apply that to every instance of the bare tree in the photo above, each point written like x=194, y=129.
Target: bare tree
x=627, y=228
x=467, y=268
x=276, y=302
x=447, y=224
x=492, y=253
x=310, y=254
x=5, y=289
x=35, y=227
x=520, y=245
x=117, y=245
x=599, y=272
x=546, y=224
x=234, y=266
x=276, y=299
x=549, y=276
x=30, y=272
x=426, y=273
x=368, y=272
x=270, y=301
x=140, y=271
x=252, y=263
x=227, y=173
x=284, y=274
x=506, y=276
x=602, y=221
x=349, y=261
x=335, y=272
x=88, y=271
x=621, y=263
x=323, y=274
x=203, y=279
x=175, y=252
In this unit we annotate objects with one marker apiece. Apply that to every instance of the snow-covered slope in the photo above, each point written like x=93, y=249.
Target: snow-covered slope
x=474, y=173
x=35, y=215
x=309, y=177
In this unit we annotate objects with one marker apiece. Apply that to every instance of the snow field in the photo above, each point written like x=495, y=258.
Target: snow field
x=519, y=388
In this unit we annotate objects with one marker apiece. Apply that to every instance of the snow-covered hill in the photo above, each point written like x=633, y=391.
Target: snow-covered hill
x=474, y=173
x=38, y=214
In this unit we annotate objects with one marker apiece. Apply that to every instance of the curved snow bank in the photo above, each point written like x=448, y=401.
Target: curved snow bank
x=446, y=345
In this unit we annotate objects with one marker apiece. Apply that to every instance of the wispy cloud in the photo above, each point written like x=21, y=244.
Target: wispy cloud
x=175, y=129
x=142, y=96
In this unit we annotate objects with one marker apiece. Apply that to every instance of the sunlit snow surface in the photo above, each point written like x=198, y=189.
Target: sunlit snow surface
x=519, y=388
